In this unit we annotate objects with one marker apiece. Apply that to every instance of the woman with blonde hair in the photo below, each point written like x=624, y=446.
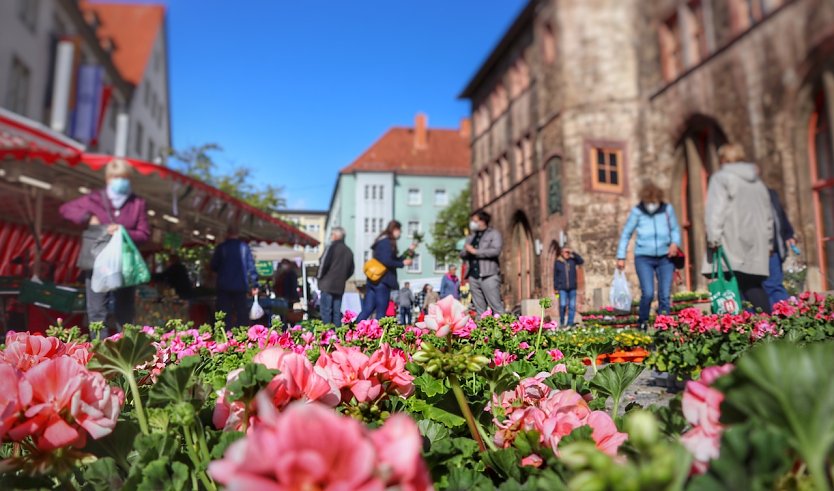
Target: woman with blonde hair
x=106, y=210
x=658, y=241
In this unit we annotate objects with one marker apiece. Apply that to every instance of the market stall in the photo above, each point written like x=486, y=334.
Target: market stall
x=40, y=169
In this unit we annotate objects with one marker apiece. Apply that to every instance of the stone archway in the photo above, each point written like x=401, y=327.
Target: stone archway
x=522, y=258
x=696, y=157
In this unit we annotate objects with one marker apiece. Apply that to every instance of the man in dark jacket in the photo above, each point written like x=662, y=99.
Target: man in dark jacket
x=481, y=251
x=335, y=268
x=564, y=282
x=783, y=238
x=236, y=275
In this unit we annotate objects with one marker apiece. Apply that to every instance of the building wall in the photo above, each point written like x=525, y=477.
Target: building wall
x=425, y=215
x=373, y=198
x=150, y=106
x=313, y=224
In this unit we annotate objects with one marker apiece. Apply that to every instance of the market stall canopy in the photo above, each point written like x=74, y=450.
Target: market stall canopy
x=40, y=169
x=275, y=252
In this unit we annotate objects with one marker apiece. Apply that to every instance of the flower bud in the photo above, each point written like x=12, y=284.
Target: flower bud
x=421, y=356
x=642, y=428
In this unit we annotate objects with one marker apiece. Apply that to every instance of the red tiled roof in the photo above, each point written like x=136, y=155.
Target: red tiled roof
x=445, y=154
x=134, y=28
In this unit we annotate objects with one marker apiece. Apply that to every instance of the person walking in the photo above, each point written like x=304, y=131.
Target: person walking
x=234, y=265
x=450, y=284
x=658, y=241
x=420, y=298
x=335, y=268
x=384, y=250
x=482, y=250
x=431, y=298
x=108, y=209
x=784, y=239
x=405, y=301
x=739, y=218
x=564, y=282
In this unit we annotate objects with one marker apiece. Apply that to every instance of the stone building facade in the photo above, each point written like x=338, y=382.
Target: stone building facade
x=582, y=101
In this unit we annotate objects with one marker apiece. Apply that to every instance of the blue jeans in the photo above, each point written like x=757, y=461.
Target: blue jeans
x=774, y=285
x=567, y=304
x=405, y=315
x=330, y=309
x=376, y=300
x=648, y=268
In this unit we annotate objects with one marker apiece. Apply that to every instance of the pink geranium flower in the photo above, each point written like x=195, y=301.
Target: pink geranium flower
x=702, y=409
x=24, y=351
x=312, y=447
x=447, y=315
x=500, y=358
x=348, y=317
x=298, y=379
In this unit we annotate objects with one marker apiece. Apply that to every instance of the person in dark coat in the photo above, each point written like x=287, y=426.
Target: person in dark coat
x=114, y=206
x=783, y=239
x=234, y=265
x=564, y=282
x=384, y=250
x=176, y=277
x=335, y=268
x=285, y=282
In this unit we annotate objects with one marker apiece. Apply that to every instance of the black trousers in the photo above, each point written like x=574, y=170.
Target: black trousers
x=752, y=290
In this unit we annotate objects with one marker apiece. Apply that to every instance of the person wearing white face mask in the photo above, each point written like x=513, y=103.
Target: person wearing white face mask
x=481, y=251
x=658, y=243
x=108, y=209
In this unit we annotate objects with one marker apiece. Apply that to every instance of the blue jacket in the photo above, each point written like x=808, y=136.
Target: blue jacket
x=655, y=231
x=383, y=251
x=235, y=266
x=449, y=286
x=564, y=272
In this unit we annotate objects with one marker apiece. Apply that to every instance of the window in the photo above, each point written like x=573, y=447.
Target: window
x=381, y=190
x=415, y=197
x=366, y=256
x=413, y=228
x=548, y=44
x=440, y=265
x=527, y=145
x=367, y=228
x=313, y=227
x=498, y=101
x=17, y=94
x=373, y=192
x=518, y=161
x=519, y=78
x=151, y=149
x=139, y=137
x=696, y=34
x=367, y=191
x=486, y=185
x=671, y=52
x=414, y=267
x=606, y=169
x=498, y=176
x=441, y=198
x=27, y=11
x=554, y=185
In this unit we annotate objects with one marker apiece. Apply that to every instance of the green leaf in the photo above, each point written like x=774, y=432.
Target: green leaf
x=430, y=386
x=120, y=357
x=614, y=379
x=222, y=444
x=787, y=387
x=117, y=445
x=174, y=383
x=250, y=381
x=157, y=476
x=103, y=475
x=436, y=414
x=435, y=432
x=468, y=479
x=505, y=461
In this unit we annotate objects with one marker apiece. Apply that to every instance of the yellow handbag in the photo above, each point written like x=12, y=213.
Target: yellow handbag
x=374, y=270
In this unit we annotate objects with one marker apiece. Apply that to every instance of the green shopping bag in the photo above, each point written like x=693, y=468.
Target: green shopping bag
x=134, y=270
x=724, y=293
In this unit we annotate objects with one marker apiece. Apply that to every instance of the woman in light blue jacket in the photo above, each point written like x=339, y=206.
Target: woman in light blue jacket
x=658, y=241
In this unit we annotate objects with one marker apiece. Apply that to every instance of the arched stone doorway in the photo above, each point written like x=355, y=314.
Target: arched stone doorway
x=697, y=158
x=522, y=258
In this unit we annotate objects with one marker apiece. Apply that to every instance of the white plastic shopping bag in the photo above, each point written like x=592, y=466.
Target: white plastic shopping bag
x=620, y=292
x=256, y=312
x=107, y=268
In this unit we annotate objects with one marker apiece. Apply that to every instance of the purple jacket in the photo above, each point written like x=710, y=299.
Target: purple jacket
x=132, y=215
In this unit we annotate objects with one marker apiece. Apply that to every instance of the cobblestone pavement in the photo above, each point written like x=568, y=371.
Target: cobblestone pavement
x=646, y=390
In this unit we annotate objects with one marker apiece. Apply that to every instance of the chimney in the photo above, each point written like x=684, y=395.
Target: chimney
x=421, y=138
x=466, y=128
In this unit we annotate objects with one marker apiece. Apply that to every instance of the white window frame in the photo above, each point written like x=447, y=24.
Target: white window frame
x=415, y=198
x=440, y=266
x=408, y=229
x=367, y=227
x=444, y=193
x=415, y=266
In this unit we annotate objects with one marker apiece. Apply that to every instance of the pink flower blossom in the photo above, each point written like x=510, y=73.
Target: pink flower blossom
x=532, y=460
x=500, y=358
x=24, y=351
x=298, y=379
x=348, y=317
x=701, y=408
x=447, y=315
x=312, y=447
x=555, y=354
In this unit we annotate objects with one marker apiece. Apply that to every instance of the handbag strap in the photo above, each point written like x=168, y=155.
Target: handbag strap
x=718, y=269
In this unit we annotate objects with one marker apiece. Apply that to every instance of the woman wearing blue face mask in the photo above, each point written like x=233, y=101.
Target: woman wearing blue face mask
x=111, y=207
x=658, y=241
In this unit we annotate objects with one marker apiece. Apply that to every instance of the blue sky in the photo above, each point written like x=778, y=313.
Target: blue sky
x=297, y=89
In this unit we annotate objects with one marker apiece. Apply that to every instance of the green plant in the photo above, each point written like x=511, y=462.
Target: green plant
x=614, y=379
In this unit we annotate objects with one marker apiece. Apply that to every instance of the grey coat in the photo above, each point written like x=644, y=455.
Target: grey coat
x=739, y=217
x=489, y=250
